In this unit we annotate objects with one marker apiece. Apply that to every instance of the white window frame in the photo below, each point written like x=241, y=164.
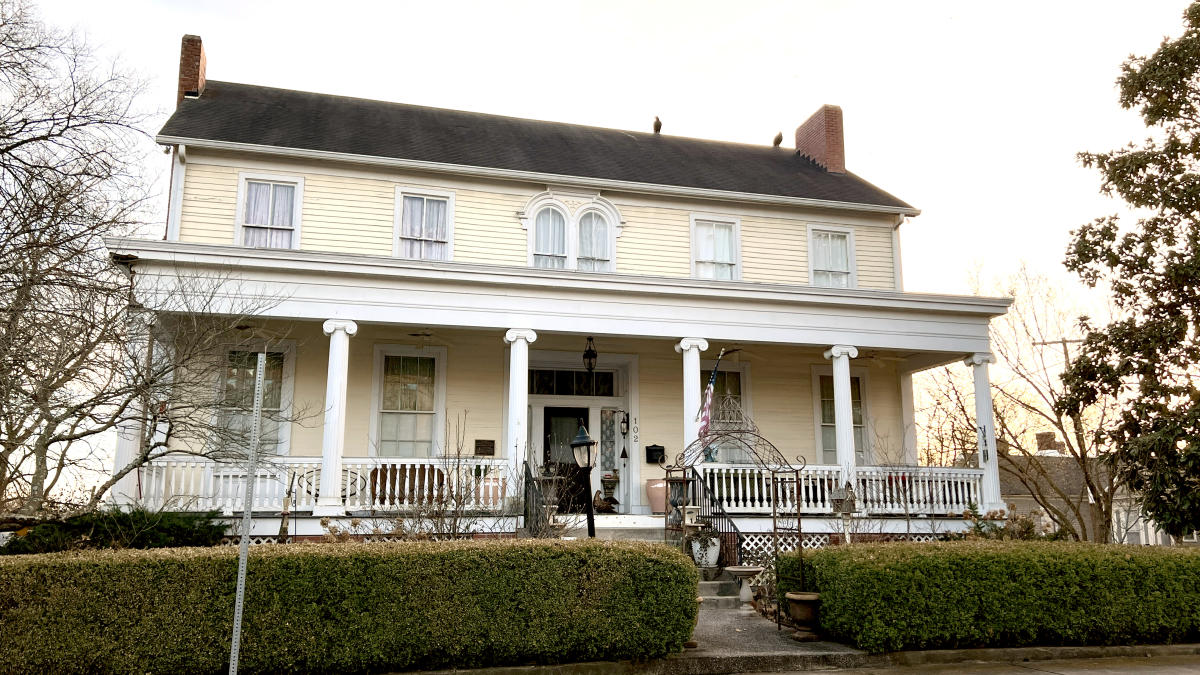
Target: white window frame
x=297, y=206
x=868, y=427
x=403, y=191
x=438, y=354
x=286, y=392
x=737, y=241
x=584, y=204
x=851, y=251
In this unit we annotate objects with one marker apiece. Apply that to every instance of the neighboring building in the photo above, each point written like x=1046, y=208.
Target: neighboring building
x=430, y=262
x=1053, y=478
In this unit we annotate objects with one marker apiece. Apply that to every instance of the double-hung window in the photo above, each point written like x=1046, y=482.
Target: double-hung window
x=424, y=225
x=269, y=212
x=594, y=243
x=832, y=258
x=410, y=399
x=237, y=402
x=550, y=239
x=714, y=249
x=828, y=420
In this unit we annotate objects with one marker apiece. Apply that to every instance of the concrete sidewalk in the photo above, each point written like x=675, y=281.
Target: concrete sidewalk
x=1165, y=665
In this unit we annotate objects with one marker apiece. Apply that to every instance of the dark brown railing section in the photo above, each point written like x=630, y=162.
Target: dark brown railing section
x=712, y=512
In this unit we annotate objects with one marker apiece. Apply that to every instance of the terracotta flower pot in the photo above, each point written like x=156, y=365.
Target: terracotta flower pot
x=656, y=494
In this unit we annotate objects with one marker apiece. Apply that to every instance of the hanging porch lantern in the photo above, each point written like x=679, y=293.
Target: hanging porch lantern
x=589, y=355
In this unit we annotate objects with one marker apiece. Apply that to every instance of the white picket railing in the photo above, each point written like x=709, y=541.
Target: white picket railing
x=368, y=484
x=916, y=490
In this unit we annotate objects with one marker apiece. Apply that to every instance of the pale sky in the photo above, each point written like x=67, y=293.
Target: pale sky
x=972, y=112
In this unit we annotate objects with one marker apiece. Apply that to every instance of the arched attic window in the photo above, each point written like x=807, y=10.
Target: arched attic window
x=550, y=238
x=569, y=233
x=595, y=240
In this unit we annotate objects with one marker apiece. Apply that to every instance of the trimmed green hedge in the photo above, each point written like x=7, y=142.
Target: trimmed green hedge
x=117, y=528
x=884, y=597
x=345, y=607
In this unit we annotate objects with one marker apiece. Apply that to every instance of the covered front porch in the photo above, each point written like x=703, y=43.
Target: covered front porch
x=434, y=378
x=404, y=417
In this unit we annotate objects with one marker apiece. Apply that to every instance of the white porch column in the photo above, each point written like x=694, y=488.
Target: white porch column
x=329, y=499
x=516, y=436
x=843, y=410
x=691, y=348
x=130, y=432
x=986, y=429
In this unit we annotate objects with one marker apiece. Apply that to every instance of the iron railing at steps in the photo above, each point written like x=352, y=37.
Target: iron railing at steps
x=537, y=516
x=712, y=512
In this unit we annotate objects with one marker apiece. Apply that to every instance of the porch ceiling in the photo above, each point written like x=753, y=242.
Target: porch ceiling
x=317, y=286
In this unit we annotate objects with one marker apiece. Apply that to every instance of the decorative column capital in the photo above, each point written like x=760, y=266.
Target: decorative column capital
x=841, y=350
x=979, y=359
x=333, y=325
x=515, y=334
x=691, y=343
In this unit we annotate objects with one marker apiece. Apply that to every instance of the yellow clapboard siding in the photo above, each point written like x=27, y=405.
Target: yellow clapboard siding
x=356, y=214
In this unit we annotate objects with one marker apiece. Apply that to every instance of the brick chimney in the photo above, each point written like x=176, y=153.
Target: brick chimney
x=820, y=139
x=1046, y=440
x=191, y=67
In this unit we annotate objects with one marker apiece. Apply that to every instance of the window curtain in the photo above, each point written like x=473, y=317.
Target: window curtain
x=436, y=235
x=714, y=250
x=831, y=259
x=412, y=224
x=407, y=410
x=424, y=230
x=593, y=242
x=550, y=240
x=269, y=213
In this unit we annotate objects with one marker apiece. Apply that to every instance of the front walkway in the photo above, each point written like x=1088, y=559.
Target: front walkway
x=741, y=641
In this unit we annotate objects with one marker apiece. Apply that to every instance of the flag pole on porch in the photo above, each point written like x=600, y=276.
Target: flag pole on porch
x=704, y=415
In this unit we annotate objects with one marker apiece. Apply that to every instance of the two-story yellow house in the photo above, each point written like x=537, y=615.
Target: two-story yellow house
x=431, y=263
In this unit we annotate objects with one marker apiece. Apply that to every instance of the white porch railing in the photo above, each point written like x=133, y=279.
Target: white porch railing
x=916, y=490
x=371, y=484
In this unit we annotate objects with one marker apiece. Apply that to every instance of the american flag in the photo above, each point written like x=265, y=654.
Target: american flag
x=705, y=414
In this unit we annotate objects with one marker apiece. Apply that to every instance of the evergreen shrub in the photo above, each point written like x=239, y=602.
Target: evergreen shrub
x=116, y=528
x=346, y=607
x=885, y=597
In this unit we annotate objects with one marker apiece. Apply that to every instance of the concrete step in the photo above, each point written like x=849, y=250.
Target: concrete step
x=720, y=602
x=713, y=588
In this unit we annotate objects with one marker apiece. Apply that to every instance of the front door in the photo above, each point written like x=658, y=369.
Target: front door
x=561, y=426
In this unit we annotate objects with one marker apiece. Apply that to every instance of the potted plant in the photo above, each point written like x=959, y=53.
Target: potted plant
x=705, y=545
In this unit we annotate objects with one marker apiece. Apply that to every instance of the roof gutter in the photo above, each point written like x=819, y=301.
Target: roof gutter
x=534, y=176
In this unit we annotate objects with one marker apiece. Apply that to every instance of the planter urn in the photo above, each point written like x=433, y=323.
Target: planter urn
x=706, y=550
x=802, y=608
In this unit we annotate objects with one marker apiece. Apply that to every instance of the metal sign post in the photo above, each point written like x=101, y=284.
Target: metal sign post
x=247, y=506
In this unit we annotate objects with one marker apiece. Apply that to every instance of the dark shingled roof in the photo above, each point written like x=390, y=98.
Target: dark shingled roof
x=242, y=113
